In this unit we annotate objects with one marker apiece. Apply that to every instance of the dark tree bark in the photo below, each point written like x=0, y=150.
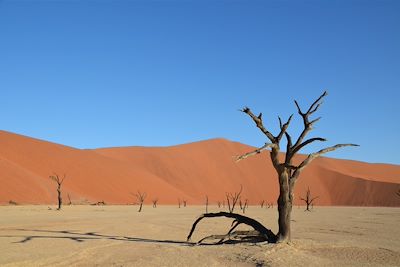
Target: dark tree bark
x=59, y=182
x=206, y=204
x=287, y=172
x=308, y=199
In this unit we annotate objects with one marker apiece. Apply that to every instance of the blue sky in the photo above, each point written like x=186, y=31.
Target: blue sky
x=115, y=73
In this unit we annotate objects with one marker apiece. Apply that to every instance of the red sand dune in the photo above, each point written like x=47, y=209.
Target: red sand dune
x=188, y=171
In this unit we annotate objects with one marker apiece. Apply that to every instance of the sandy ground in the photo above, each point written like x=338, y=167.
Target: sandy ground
x=120, y=236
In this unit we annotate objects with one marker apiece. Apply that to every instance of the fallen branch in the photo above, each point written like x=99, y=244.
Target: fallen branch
x=264, y=234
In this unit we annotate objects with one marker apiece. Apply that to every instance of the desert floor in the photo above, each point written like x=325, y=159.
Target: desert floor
x=120, y=236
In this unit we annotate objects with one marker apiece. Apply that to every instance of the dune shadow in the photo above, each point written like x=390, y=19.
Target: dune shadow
x=86, y=236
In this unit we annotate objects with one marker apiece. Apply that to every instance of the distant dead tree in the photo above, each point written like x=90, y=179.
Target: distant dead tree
x=59, y=182
x=206, y=203
x=140, y=197
x=69, y=200
x=184, y=201
x=219, y=204
x=12, y=202
x=155, y=201
x=244, y=206
x=179, y=203
x=99, y=203
x=287, y=171
x=308, y=199
x=262, y=203
x=232, y=199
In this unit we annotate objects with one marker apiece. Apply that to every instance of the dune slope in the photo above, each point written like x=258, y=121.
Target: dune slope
x=189, y=172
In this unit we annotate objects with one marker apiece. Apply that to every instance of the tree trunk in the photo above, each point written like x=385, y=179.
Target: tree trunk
x=284, y=207
x=59, y=197
x=140, y=208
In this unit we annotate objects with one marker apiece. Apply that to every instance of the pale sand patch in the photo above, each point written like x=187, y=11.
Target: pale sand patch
x=120, y=236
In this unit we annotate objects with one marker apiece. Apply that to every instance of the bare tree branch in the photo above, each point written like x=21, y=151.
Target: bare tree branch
x=314, y=107
x=307, y=124
x=254, y=152
x=307, y=142
x=315, y=155
x=283, y=128
x=259, y=123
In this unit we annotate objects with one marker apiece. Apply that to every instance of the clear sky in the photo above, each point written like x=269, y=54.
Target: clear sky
x=154, y=73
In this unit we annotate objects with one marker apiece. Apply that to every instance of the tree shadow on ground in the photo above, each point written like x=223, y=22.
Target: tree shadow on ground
x=87, y=236
x=82, y=236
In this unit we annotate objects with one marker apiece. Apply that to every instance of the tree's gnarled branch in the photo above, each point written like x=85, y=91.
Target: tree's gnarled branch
x=254, y=152
x=315, y=155
x=259, y=123
x=307, y=142
x=307, y=124
x=238, y=219
x=283, y=128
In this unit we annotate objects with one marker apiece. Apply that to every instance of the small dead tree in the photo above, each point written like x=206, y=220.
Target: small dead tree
x=245, y=206
x=232, y=199
x=262, y=203
x=184, y=201
x=206, y=204
x=59, y=182
x=179, y=203
x=155, y=201
x=287, y=171
x=140, y=197
x=308, y=199
x=219, y=204
x=69, y=199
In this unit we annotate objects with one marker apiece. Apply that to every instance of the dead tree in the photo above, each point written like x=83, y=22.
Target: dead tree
x=398, y=193
x=206, y=204
x=308, y=199
x=287, y=171
x=262, y=203
x=59, y=182
x=179, y=203
x=140, y=197
x=184, y=201
x=155, y=201
x=232, y=199
x=219, y=204
x=69, y=199
x=245, y=206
